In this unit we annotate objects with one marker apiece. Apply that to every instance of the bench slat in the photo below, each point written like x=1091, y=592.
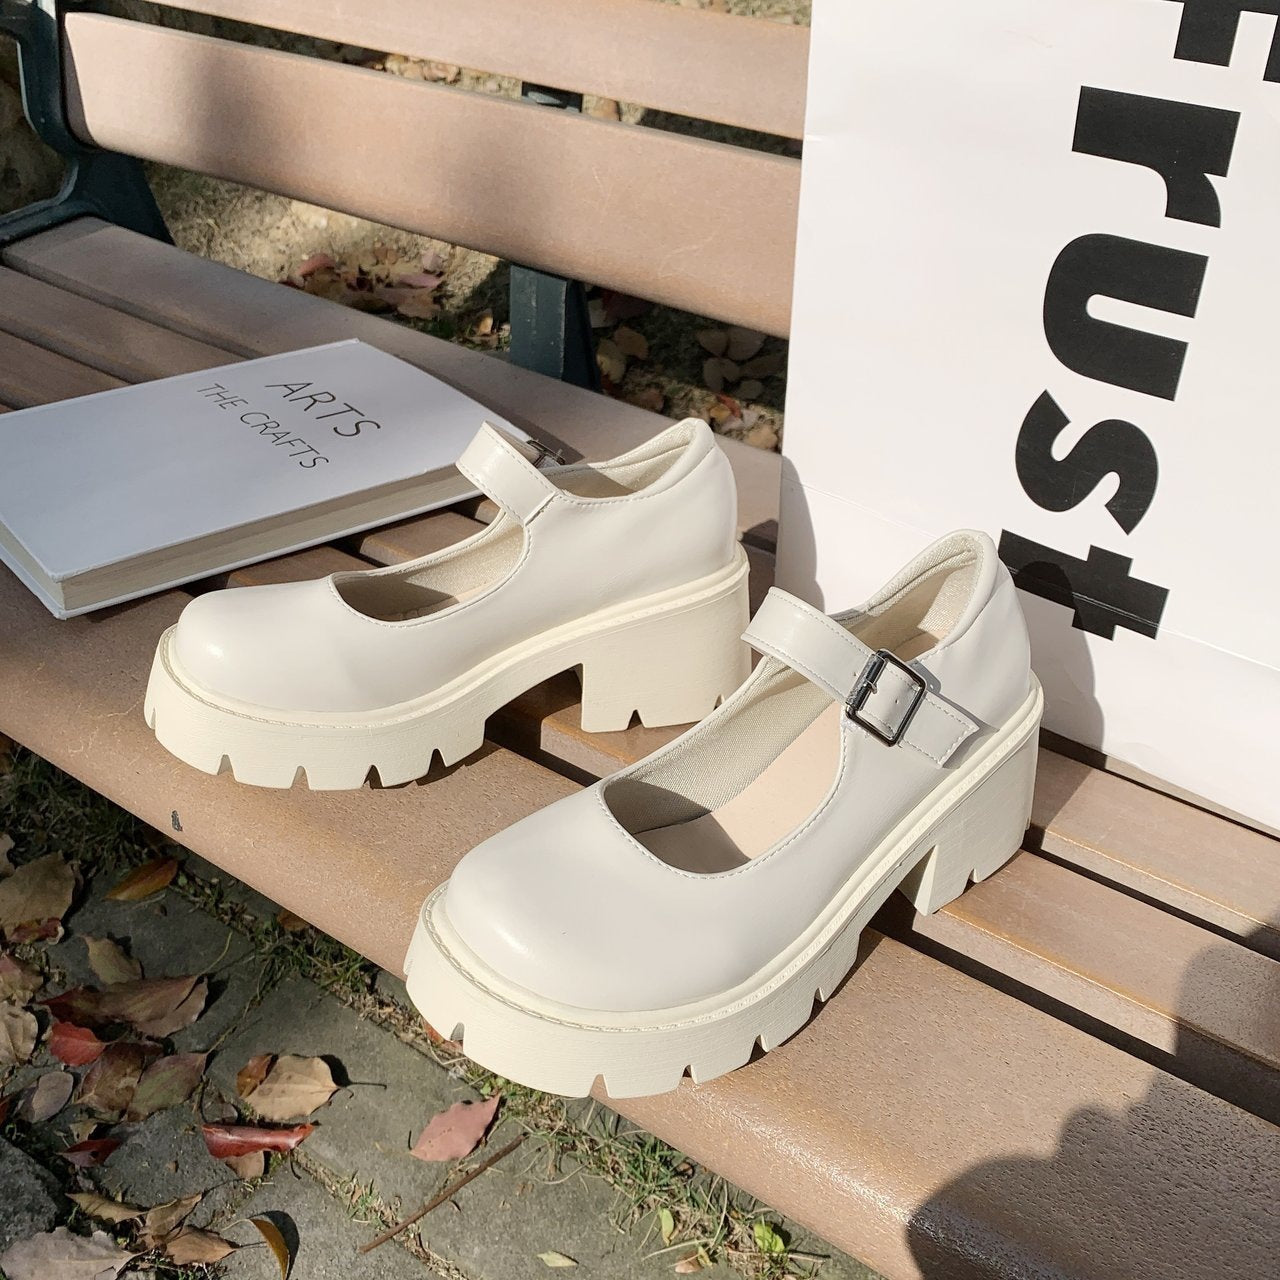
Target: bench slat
x=647, y=212
x=708, y=65
x=31, y=375
x=226, y=308
x=96, y=335
x=924, y=1121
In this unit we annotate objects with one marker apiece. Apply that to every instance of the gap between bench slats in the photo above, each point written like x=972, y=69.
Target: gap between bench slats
x=651, y=213
x=226, y=308
x=904, y=1124
x=736, y=71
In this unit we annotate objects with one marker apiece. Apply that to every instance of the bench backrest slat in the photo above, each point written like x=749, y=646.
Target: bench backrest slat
x=697, y=225
x=711, y=66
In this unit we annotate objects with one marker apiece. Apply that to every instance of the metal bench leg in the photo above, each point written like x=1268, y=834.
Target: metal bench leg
x=98, y=183
x=550, y=322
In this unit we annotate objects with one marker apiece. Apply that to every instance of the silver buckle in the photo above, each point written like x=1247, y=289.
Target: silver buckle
x=866, y=686
x=543, y=453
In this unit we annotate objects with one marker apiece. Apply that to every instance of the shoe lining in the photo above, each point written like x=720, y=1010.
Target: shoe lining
x=748, y=780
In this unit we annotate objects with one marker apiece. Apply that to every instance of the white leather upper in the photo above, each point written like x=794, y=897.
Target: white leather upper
x=570, y=905
x=561, y=554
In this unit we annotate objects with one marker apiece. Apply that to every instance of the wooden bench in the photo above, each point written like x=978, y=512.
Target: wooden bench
x=1074, y=1070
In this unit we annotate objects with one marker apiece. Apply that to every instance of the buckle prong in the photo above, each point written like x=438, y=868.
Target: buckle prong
x=866, y=685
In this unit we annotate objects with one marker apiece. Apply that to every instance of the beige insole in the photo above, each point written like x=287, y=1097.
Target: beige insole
x=780, y=798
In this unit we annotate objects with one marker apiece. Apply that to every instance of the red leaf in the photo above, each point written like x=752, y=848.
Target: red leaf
x=36, y=931
x=90, y=1152
x=317, y=262
x=420, y=280
x=74, y=1046
x=225, y=1140
x=457, y=1131
x=154, y=1006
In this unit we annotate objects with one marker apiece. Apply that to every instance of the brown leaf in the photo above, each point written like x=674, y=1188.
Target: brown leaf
x=420, y=280
x=190, y=1247
x=18, y=982
x=688, y=1264
x=166, y=1083
x=631, y=343
x=36, y=931
x=109, y=1084
x=19, y=1031
x=225, y=1140
x=253, y=1073
x=154, y=1006
x=162, y=1221
x=744, y=344
x=290, y=922
x=309, y=266
x=145, y=880
x=613, y=364
x=249, y=1166
x=421, y=306
x=74, y=1046
x=457, y=1131
x=293, y=1087
x=90, y=1151
x=60, y=1255
x=713, y=341
x=44, y=1099
x=108, y=960
x=275, y=1242
x=36, y=892
x=650, y=398
x=113, y=1211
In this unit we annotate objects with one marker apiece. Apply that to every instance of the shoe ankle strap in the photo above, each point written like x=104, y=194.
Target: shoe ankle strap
x=493, y=462
x=887, y=699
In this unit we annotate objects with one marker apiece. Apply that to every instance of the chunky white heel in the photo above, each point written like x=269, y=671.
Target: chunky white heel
x=674, y=916
x=672, y=666
x=627, y=569
x=978, y=836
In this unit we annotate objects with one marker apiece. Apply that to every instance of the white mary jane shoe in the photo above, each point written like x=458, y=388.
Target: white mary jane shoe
x=629, y=570
x=673, y=915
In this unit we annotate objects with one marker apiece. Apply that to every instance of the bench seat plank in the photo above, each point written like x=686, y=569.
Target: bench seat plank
x=30, y=375
x=97, y=335
x=226, y=308
x=708, y=65
x=637, y=209
x=924, y=1119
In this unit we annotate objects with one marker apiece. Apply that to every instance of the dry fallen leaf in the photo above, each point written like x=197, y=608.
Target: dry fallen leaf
x=18, y=982
x=44, y=1099
x=225, y=1140
x=145, y=880
x=190, y=1247
x=59, y=1255
x=317, y=261
x=456, y=1131
x=650, y=398
x=113, y=1211
x=293, y=1087
x=249, y=1166
x=108, y=1086
x=253, y=1073
x=290, y=922
x=553, y=1259
x=275, y=1241
x=74, y=1046
x=631, y=343
x=420, y=306
x=164, y=1220
x=166, y=1083
x=420, y=280
x=108, y=960
x=90, y=1152
x=153, y=1006
x=613, y=364
x=19, y=1031
x=36, y=892
x=688, y=1264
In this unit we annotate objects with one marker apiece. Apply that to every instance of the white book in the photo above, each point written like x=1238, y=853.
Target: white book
x=117, y=495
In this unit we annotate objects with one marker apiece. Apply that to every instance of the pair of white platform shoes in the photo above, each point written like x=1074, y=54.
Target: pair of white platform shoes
x=667, y=919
